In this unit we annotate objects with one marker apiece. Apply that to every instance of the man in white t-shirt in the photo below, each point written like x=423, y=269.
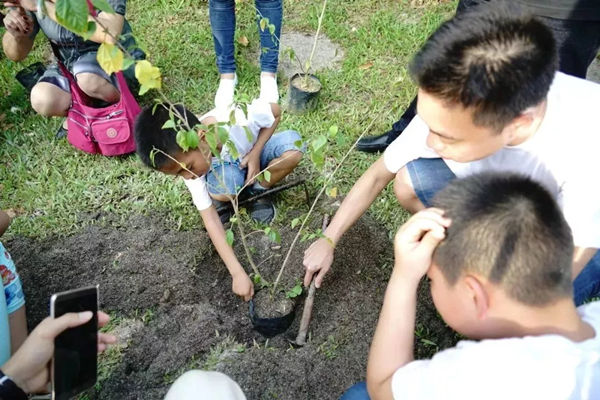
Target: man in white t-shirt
x=490, y=99
x=246, y=148
x=498, y=252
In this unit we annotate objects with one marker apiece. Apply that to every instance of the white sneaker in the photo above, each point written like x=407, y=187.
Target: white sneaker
x=224, y=95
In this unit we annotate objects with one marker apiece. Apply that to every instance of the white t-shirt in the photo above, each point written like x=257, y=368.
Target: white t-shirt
x=563, y=155
x=534, y=367
x=260, y=116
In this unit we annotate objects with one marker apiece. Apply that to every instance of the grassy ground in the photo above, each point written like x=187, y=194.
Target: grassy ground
x=56, y=190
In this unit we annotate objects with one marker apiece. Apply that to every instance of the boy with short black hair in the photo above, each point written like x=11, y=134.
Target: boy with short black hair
x=210, y=179
x=498, y=253
x=490, y=99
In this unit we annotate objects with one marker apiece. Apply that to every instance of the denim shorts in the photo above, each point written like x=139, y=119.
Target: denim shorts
x=430, y=175
x=233, y=176
x=13, y=291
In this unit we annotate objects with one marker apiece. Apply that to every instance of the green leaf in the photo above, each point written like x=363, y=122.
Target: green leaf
x=169, y=124
x=273, y=235
x=256, y=279
x=182, y=140
x=72, y=14
x=110, y=58
x=223, y=134
x=152, y=155
x=232, y=117
x=103, y=5
x=249, y=134
x=271, y=29
x=263, y=24
x=318, y=142
x=128, y=62
x=295, y=222
x=267, y=175
x=229, y=239
x=294, y=292
x=291, y=53
x=299, y=144
x=191, y=138
x=89, y=31
x=333, y=131
x=211, y=139
x=232, y=150
x=341, y=140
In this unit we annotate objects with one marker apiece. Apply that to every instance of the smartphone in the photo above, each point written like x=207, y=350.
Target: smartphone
x=75, y=362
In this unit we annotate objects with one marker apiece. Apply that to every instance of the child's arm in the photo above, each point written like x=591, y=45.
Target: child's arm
x=252, y=159
x=4, y=222
x=242, y=285
x=392, y=345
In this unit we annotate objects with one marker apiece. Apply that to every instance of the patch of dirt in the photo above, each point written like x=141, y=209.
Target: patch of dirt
x=176, y=284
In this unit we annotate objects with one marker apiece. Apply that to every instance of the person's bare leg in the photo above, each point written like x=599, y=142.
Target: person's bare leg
x=97, y=87
x=281, y=167
x=49, y=100
x=405, y=193
x=18, y=329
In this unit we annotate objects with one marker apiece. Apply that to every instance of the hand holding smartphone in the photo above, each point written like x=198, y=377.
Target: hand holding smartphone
x=75, y=362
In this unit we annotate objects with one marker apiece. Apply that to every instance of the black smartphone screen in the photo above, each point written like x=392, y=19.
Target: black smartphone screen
x=75, y=354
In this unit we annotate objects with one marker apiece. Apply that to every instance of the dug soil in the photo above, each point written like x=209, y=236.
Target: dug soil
x=173, y=309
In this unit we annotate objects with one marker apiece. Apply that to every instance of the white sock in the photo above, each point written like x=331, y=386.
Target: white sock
x=268, y=88
x=224, y=95
x=258, y=186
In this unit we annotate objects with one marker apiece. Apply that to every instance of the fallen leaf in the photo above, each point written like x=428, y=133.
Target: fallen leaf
x=366, y=65
x=243, y=40
x=15, y=212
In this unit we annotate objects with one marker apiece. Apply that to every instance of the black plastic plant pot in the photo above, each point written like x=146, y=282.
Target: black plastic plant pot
x=270, y=327
x=303, y=98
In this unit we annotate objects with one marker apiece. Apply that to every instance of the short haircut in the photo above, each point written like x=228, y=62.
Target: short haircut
x=510, y=230
x=149, y=133
x=493, y=59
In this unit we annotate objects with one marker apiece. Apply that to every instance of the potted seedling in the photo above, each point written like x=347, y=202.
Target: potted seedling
x=304, y=87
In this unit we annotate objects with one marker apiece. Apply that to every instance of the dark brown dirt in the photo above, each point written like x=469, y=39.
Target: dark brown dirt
x=175, y=289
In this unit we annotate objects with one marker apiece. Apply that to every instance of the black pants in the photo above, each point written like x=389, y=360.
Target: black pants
x=577, y=43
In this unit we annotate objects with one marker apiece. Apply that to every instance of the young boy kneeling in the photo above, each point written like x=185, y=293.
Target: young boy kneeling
x=209, y=178
x=498, y=253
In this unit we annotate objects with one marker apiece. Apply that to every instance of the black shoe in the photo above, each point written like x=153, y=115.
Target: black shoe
x=374, y=144
x=60, y=133
x=224, y=209
x=262, y=210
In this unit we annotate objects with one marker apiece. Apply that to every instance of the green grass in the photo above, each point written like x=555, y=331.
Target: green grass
x=57, y=190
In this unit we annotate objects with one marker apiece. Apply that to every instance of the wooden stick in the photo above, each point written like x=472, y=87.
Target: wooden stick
x=308, y=303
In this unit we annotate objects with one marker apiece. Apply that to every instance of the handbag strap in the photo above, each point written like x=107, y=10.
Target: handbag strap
x=76, y=92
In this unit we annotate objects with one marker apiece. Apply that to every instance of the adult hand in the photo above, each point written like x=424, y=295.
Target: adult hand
x=28, y=367
x=317, y=260
x=252, y=162
x=416, y=241
x=18, y=23
x=243, y=286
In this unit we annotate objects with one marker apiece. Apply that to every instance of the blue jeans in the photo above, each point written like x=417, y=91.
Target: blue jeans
x=356, y=392
x=222, y=23
x=233, y=176
x=430, y=175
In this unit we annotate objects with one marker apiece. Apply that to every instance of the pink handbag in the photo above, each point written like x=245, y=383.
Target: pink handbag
x=106, y=130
